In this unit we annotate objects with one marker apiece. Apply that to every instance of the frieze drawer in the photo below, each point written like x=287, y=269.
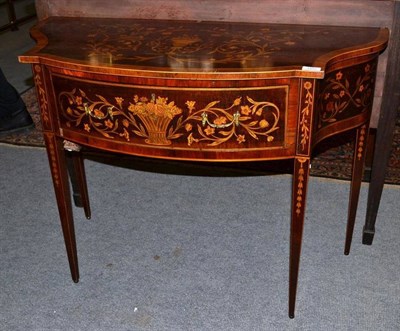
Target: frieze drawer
x=179, y=118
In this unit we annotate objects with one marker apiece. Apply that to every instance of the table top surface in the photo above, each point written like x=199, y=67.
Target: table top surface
x=188, y=46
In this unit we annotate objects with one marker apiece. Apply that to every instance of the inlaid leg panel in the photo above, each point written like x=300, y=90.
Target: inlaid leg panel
x=299, y=192
x=356, y=179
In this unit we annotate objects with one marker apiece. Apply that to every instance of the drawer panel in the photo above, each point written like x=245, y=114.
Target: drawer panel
x=345, y=98
x=240, y=119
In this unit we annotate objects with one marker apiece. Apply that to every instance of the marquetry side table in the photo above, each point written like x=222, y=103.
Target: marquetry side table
x=204, y=91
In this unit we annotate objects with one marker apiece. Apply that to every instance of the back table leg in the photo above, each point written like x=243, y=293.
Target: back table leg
x=77, y=175
x=356, y=179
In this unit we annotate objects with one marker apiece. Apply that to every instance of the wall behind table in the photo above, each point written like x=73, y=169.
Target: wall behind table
x=374, y=13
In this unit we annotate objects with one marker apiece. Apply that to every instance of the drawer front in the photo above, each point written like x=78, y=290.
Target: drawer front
x=220, y=122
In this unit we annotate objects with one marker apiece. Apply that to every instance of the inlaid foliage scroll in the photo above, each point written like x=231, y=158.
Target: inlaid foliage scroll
x=346, y=93
x=189, y=118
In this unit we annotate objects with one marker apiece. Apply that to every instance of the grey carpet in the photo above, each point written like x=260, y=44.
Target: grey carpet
x=183, y=252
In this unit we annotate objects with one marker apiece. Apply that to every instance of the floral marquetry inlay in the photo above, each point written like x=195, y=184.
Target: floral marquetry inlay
x=159, y=121
x=361, y=142
x=184, y=45
x=346, y=93
x=301, y=180
x=42, y=96
x=195, y=45
x=305, y=115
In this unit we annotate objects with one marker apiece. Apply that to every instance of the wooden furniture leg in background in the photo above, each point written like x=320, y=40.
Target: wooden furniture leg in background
x=59, y=173
x=299, y=193
x=13, y=21
x=360, y=149
x=12, y=17
x=76, y=170
x=389, y=110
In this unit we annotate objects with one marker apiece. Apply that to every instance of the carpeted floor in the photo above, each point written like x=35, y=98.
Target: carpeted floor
x=189, y=253
x=333, y=159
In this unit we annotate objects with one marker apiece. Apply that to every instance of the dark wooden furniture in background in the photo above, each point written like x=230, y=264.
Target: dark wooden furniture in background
x=203, y=91
x=13, y=19
x=390, y=109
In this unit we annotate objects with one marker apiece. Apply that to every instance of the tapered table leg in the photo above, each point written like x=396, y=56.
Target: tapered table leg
x=356, y=179
x=299, y=192
x=59, y=173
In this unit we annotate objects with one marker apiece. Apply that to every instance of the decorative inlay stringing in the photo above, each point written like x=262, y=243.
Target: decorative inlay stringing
x=361, y=142
x=305, y=115
x=51, y=151
x=42, y=97
x=300, y=185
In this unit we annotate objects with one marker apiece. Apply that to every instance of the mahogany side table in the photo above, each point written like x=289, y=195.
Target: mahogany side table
x=204, y=91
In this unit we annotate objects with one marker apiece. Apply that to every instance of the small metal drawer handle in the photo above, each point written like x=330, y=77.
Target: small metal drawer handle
x=235, y=121
x=92, y=114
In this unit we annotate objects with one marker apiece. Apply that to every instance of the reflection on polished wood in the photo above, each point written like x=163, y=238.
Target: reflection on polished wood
x=204, y=91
